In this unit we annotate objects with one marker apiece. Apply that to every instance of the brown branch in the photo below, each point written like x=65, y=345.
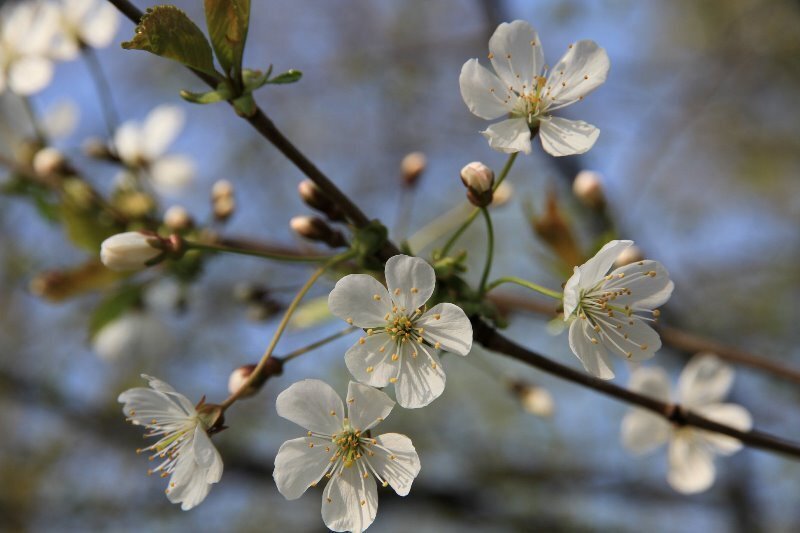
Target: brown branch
x=483, y=333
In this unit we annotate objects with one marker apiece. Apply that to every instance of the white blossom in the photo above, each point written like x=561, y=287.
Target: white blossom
x=28, y=32
x=134, y=335
x=401, y=335
x=521, y=89
x=609, y=311
x=184, y=448
x=343, y=449
x=144, y=145
x=87, y=22
x=702, y=386
x=128, y=251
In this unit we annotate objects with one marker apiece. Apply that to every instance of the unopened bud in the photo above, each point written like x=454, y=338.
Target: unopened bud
x=97, y=149
x=131, y=250
x=535, y=400
x=588, y=188
x=224, y=207
x=238, y=378
x=316, y=199
x=629, y=255
x=554, y=229
x=316, y=229
x=479, y=180
x=411, y=168
x=49, y=161
x=221, y=189
x=177, y=218
x=502, y=194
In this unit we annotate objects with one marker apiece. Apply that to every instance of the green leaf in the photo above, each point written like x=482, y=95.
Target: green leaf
x=227, y=22
x=166, y=31
x=290, y=76
x=253, y=79
x=245, y=106
x=222, y=93
x=113, y=307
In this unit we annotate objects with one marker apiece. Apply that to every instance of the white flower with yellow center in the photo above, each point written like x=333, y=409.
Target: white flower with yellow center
x=184, y=449
x=702, y=386
x=401, y=336
x=609, y=311
x=521, y=89
x=342, y=449
x=28, y=32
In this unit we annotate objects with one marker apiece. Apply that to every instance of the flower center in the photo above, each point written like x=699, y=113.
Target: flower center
x=350, y=444
x=530, y=102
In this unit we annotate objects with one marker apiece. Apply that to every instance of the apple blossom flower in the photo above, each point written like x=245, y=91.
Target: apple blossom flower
x=28, y=31
x=608, y=312
x=131, y=250
x=143, y=146
x=521, y=89
x=401, y=335
x=87, y=23
x=184, y=447
x=703, y=384
x=344, y=450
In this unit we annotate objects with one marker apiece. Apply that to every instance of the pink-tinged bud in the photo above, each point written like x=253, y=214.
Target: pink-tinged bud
x=411, y=168
x=131, y=250
x=479, y=181
x=238, y=378
x=629, y=255
x=48, y=161
x=177, y=218
x=316, y=199
x=316, y=229
x=588, y=188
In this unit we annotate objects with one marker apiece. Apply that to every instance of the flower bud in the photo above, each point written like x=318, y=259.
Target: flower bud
x=131, y=250
x=535, y=400
x=316, y=229
x=502, y=194
x=479, y=180
x=588, y=188
x=97, y=149
x=316, y=199
x=554, y=229
x=238, y=378
x=48, y=161
x=221, y=189
x=411, y=168
x=177, y=218
x=629, y=255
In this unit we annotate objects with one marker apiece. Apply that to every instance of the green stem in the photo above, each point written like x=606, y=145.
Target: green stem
x=278, y=256
x=255, y=376
x=37, y=128
x=489, y=251
x=103, y=90
x=472, y=216
x=314, y=345
x=526, y=284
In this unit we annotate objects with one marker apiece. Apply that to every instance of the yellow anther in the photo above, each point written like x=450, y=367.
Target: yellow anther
x=365, y=475
x=414, y=354
x=490, y=56
x=656, y=313
x=643, y=346
x=363, y=502
x=376, y=297
x=414, y=290
x=369, y=332
x=333, y=413
x=395, y=357
x=397, y=292
x=586, y=76
x=621, y=275
x=361, y=340
x=370, y=369
x=437, y=345
x=385, y=484
x=392, y=457
x=328, y=500
x=508, y=56
x=433, y=366
x=392, y=380
x=349, y=320
x=309, y=433
x=437, y=316
x=652, y=273
x=382, y=349
x=594, y=341
x=310, y=444
x=628, y=354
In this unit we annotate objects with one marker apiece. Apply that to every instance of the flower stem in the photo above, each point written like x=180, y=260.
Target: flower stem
x=255, y=376
x=489, y=251
x=314, y=345
x=103, y=90
x=37, y=128
x=472, y=216
x=278, y=256
x=526, y=284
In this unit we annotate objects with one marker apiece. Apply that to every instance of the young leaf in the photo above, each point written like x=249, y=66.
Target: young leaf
x=222, y=93
x=166, y=31
x=290, y=76
x=227, y=22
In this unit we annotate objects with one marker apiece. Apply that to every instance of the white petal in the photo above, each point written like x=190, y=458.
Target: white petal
x=367, y=406
x=509, y=136
x=299, y=465
x=628, y=337
x=706, y=379
x=29, y=75
x=370, y=362
x=483, y=92
x=652, y=382
x=516, y=54
x=349, y=502
x=594, y=357
x=128, y=143
x=593, y=270
x=691, y=464
x=580, y=71
x=312, y=404
x=206, y=455
x=400, y=465
x=142, y=405
x=188, y=485
x=730, y=414
x=410, y=280
x=171, y=173
x=421, y=379
x=561, y=136
x=572, y=293
x=642, y=431
x=99, y=28
x=360, y=300
x=161, y=126
x=61, y=119
x=647, y=292
x=448, y=325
